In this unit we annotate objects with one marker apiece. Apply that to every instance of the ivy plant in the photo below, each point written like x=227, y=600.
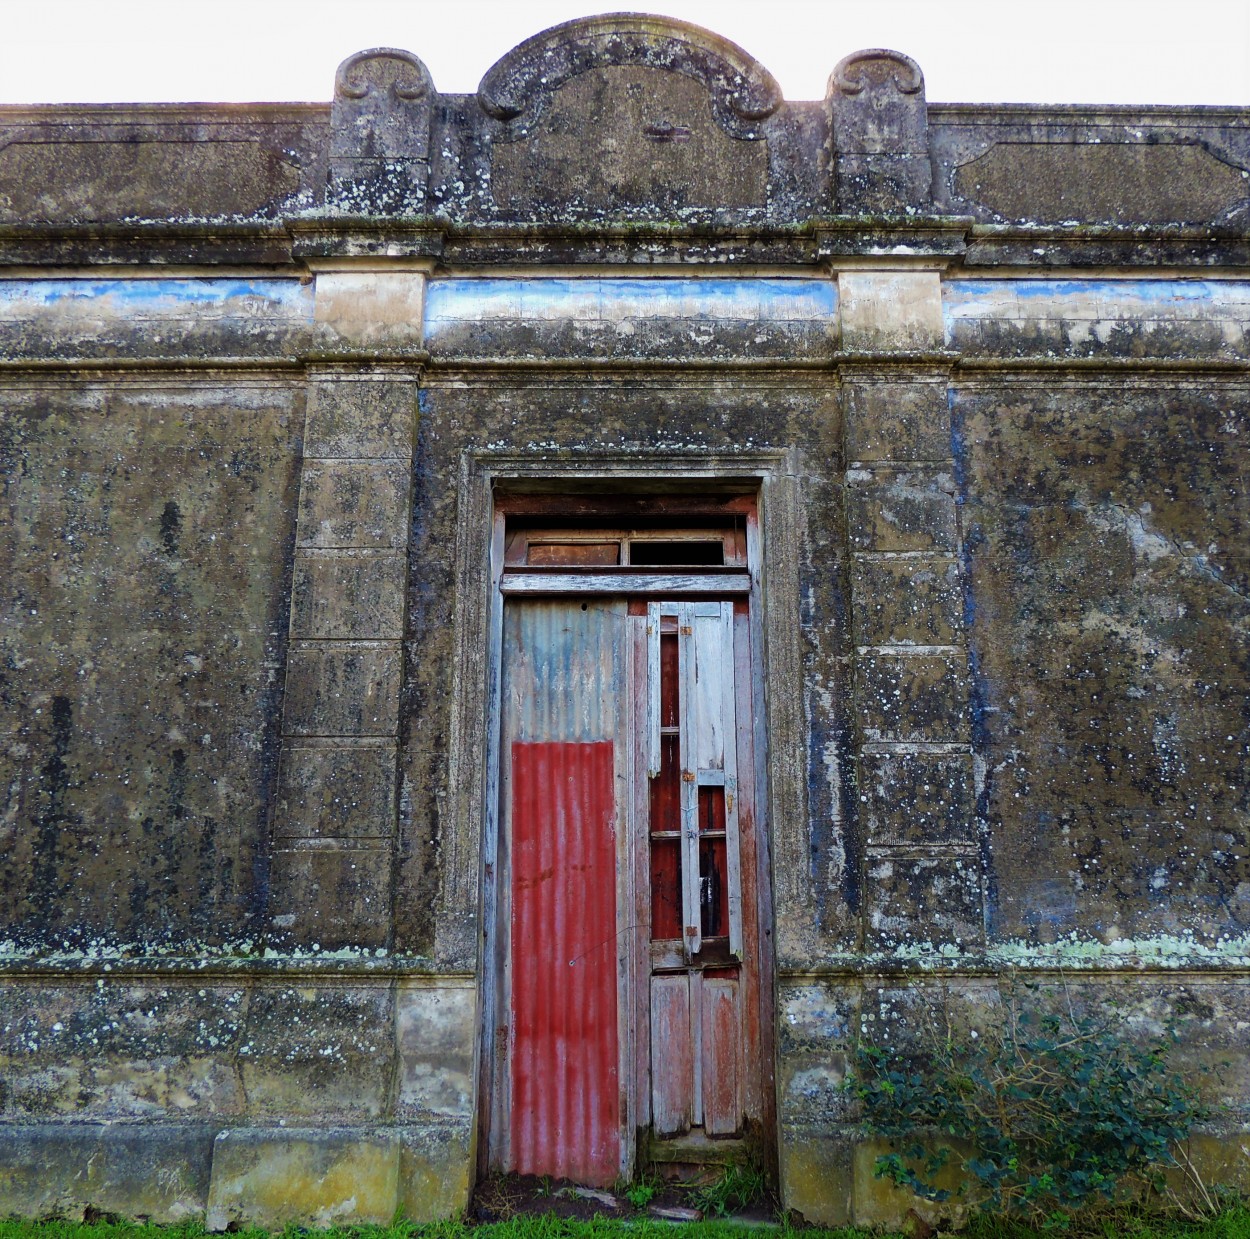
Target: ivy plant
x=1051, y=1111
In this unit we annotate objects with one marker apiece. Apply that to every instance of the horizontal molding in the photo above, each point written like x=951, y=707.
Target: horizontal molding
x=362, y=964
x=625, y=582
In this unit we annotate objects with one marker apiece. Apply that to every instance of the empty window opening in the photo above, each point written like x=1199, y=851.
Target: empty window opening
x=678, y=553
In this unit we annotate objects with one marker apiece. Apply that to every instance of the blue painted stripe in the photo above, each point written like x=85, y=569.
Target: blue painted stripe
x=476, y=300
x=969, y=298
x=285, y=298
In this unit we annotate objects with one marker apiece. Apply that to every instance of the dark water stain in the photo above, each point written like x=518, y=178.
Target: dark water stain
x=51, y=819
x=171, y=526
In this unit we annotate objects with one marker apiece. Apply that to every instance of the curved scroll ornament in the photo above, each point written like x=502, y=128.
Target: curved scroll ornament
x=873, y=67
x=382, y=69
x=519, y=86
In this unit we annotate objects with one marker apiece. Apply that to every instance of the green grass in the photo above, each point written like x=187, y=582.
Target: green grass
x=1233, y=1223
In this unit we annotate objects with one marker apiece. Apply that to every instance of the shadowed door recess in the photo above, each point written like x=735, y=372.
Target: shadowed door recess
x=628, y=993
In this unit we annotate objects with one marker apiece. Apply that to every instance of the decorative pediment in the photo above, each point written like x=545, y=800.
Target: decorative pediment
x=518, y=88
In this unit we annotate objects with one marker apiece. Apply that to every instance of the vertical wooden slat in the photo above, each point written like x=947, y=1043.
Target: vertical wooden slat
x=653, y=689
x=672, y=1066
x=733, y=856
x=692, y=936
x=695, y=1033
x=707, y=701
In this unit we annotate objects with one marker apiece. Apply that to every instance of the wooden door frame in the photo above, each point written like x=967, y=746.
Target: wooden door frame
x=491, y=484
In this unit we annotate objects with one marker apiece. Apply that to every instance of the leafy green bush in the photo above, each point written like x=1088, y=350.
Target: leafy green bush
x=1049, y=1113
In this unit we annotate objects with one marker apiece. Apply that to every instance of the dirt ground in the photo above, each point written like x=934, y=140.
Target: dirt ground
x=507, y=1196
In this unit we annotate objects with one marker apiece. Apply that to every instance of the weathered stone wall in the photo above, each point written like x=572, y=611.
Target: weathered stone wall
x=147, y=545
x=986, y=370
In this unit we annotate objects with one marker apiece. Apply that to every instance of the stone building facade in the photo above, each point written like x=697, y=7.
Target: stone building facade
x=944, y=407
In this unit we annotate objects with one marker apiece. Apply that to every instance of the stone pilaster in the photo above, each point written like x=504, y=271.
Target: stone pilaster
x=922, y=878
x=335, y=820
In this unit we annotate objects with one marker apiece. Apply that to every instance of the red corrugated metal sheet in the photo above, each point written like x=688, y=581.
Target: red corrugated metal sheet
x=565, y=1089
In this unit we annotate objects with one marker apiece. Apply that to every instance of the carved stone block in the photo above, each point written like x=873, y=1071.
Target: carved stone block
x=628, y=112
x=371, y=418
x=326, y=791
x=916, y=797
x=891, y=311
x=343, y=689
x=380, y=133
x=313, y=1177
x=901, y=510
x=878, y=102
x=906, y=601
x=354, y=503
x=912, y=697
x=334, y=897
x=629, y=136
x=882, y=184
x=434, y=1164
x=156, y=1171
x=880, y=134
x=911, y=901
x=319, y=1049
x=370, y=310
x=896, y=421
x=348, y=595
x=435, y=1030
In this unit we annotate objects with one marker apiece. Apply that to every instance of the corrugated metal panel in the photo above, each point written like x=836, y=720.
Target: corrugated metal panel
x=565, y=1090
x=562, y=672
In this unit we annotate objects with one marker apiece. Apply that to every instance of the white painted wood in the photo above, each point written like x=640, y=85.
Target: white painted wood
x=653, y=689
x=535, y=582
x=692, y=917
x=712, y=722
x=733, y=856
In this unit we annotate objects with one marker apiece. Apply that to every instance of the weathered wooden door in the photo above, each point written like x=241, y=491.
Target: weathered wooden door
x=629, y=996
x=698, y=976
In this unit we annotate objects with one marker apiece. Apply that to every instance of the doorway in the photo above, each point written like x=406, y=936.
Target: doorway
x=631, y=995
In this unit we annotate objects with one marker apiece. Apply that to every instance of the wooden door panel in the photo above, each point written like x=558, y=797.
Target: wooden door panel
x=721, y=1045
x=672, y=1058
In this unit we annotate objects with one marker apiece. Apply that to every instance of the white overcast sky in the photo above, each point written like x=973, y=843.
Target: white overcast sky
x=1027, y=51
